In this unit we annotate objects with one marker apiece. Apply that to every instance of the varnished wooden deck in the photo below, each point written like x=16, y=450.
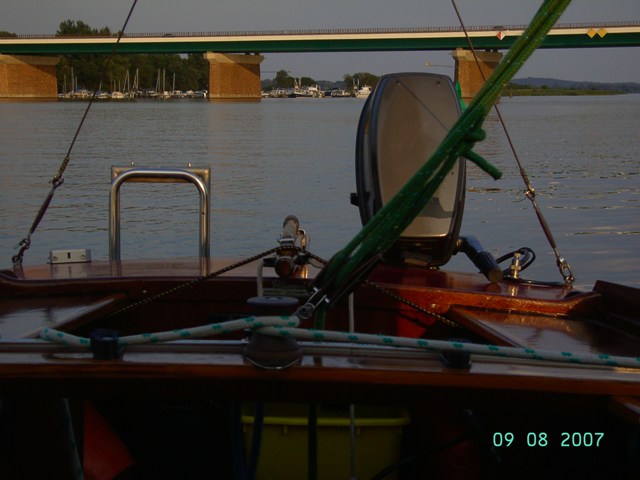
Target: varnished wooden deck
x=507, y=314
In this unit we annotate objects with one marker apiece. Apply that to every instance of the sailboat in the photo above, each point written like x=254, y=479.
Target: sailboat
x=378, y=362
x=163, y=93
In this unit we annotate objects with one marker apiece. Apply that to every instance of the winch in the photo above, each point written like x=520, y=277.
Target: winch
x=293, y=242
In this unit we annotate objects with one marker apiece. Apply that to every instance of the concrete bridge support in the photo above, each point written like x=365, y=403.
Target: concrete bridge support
x=470, y=77
x=25, y=76
x=234, y=77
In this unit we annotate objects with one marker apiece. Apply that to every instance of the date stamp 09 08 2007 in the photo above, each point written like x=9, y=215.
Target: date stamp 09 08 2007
x=541, y=439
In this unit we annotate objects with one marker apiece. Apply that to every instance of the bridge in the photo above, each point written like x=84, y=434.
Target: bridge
x=232, y=60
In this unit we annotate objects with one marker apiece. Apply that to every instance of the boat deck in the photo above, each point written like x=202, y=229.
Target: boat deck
x=502, y=314
x=66, y=296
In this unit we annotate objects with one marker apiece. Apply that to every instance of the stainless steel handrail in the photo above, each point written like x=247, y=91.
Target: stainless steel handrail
x=200, y=177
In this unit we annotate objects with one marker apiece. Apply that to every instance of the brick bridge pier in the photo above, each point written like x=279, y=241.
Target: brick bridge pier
x=470, y=77
x=231, y=76
x=26, y=76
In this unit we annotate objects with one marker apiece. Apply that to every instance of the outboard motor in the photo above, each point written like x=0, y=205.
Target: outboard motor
x=402, y=123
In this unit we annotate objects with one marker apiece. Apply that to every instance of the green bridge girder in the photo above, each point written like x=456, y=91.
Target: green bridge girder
x=611, y=34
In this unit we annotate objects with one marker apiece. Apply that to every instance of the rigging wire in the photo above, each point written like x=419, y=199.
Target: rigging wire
x=530, y=193
x=349, y=266
x=57, y=179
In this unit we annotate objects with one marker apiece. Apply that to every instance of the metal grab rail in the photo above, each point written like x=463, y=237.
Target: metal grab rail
x=200, y=177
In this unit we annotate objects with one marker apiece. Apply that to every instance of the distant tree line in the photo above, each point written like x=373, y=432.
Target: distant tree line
x=551, y=86
x=539, y=82
x=353, y=82
x=191, y=72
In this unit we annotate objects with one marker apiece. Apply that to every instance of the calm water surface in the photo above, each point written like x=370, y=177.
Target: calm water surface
x=296, y=156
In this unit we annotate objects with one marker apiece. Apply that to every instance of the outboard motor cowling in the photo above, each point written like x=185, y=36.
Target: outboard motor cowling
x=402, y=123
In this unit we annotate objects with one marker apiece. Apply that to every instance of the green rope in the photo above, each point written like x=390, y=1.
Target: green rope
x=346, y=267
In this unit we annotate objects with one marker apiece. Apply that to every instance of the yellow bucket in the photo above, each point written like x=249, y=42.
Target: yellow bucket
x=283, y=452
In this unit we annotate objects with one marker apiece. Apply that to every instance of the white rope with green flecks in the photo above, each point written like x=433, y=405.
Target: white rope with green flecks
x=287, y=326
x=209, y=330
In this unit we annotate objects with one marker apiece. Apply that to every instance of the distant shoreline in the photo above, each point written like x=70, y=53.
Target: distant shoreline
x=533, y=86
x=547, y=92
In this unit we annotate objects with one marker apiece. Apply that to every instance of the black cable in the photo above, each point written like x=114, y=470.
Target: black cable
x=57, y=179
x=58, y=176
x=312, y=442
x=256, y=441
x=530, y=193
x=237, y=442
x=528, y=254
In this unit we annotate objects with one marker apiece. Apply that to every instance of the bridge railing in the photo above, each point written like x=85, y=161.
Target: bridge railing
x=329, y=31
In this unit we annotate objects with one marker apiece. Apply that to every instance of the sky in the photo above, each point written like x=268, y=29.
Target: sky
x=597, y=64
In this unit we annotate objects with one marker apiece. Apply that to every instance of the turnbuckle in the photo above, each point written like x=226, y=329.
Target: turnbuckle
x=565, y=271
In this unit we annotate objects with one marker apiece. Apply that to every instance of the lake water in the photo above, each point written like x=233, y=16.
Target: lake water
x=296, y=156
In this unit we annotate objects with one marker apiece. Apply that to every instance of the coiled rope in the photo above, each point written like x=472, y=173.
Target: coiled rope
x=287, y=326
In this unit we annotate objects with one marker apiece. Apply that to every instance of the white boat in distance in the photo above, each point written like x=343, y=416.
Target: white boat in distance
x=310, y=91
x=337, y=93
x=363, y=92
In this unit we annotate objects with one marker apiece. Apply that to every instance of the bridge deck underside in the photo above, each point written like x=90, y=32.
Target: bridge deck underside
x=265, y=45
